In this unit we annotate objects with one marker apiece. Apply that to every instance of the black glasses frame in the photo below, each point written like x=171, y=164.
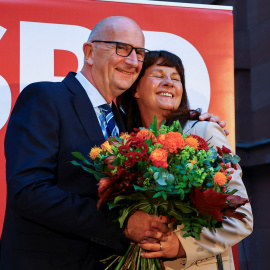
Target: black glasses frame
x=122, y=43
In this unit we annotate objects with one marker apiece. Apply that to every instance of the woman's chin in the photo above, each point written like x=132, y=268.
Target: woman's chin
x=167, y=107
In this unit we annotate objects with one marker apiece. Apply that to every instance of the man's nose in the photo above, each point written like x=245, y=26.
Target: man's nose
x=132, y=59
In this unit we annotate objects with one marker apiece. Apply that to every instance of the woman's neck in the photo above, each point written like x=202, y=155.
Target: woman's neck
x=148, y=119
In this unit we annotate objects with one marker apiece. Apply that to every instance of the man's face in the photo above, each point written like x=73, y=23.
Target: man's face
x=113, y=74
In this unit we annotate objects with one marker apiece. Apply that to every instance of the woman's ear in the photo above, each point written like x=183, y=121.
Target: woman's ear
x=88, y=52
x=136, y=95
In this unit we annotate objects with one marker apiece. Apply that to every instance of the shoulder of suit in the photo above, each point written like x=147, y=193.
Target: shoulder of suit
x=41, y=88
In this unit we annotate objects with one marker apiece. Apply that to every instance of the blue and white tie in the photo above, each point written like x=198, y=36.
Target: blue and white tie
x=108, y=126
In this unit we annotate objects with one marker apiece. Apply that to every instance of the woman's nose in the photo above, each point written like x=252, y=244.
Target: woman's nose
x=167, y=81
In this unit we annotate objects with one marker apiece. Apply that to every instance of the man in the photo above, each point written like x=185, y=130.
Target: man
x=51, y=218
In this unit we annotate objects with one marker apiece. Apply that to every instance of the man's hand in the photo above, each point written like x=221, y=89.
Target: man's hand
x=168, y=247
x=144, y=228
x=214, y=118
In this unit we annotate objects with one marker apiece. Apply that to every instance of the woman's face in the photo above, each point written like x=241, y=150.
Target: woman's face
x=159, y=89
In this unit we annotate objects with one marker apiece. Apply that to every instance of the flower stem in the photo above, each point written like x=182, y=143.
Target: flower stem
x=123, y=259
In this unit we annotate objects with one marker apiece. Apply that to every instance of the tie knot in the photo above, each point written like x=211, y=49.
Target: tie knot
x=106, y=108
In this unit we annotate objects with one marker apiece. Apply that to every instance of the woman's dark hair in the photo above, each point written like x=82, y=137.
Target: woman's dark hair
x=128, y=103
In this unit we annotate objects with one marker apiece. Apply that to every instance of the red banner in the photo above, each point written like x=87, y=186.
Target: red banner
x=42, y=40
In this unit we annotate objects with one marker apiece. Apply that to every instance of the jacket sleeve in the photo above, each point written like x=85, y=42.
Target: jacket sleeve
x=32, y=152
x=233, y=230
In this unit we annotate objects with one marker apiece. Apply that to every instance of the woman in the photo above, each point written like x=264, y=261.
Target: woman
x=160, y=91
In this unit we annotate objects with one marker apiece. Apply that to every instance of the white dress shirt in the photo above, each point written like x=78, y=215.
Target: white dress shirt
x=94, y=95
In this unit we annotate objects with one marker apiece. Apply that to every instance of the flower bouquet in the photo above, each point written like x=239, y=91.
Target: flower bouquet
x=163, y=172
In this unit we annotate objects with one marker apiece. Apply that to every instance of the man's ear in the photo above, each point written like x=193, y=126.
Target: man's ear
x=88, y=52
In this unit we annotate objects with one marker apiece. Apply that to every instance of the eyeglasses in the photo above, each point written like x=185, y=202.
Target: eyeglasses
x=124, y=49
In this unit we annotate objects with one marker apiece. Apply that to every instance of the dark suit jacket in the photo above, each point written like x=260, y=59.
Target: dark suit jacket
x=51, y=219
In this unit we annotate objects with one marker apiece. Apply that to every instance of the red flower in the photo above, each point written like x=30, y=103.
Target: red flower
x=202, y=142
x=226, y=150
x=123, y=149
x=111, y=187
x=145, y=156
x=135, y=141
x=143, y=146
x=234, y=166
x=219, y=151
x=109, y=159
x=223, y=150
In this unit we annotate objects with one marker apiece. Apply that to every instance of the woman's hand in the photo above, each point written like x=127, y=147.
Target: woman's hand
x=214, y=118
x=168, y=247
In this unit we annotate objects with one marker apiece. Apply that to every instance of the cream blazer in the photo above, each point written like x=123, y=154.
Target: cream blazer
x=202, y=254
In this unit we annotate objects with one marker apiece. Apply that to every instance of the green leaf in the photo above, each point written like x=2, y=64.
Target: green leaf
x=196, y=229
x=164, y=195
x=226, y=158
x=235, y=159
x=111, y=205
x=139, y=188
x=186, y=229
x=186, y=234
x=143, y=205
x=233, y=191
x=153, y=126
x=196, y=235
x=180, y=130
x=79, y=156
x=157, y=194
x=96, y=174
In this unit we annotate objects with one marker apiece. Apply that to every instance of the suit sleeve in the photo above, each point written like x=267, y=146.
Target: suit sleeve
x=32, y=152
x=233, y=230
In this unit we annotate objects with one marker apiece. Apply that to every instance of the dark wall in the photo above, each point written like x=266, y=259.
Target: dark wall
x=252, y=98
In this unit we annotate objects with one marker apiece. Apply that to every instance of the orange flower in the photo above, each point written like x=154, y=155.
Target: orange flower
x=173, y=142
x=159, y=158
x=106, y=146
x=193, y=161
x=145, y=134
x=161, y=138
x=220, y=178
x=192, y=142
x=95, y=151
x=124, y=135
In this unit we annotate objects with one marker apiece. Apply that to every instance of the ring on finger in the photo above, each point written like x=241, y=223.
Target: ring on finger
x=160, y=247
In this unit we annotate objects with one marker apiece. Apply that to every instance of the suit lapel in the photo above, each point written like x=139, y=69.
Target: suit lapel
x=85, y=110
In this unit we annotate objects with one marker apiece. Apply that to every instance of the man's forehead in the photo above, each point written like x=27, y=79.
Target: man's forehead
x=128, y=33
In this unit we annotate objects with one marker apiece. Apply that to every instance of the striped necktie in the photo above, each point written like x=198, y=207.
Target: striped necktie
x=109, y=126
